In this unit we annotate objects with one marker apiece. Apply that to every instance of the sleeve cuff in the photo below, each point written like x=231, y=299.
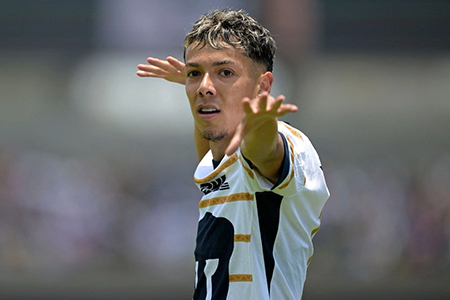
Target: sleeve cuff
x=285, y=165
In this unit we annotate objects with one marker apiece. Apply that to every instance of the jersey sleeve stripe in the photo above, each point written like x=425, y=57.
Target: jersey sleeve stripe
x=292, y=162
x=289, y=181
x=229, y=198
x=293, y=131
x=291, y=146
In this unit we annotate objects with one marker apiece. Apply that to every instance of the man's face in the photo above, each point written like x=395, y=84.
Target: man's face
x=216, y=83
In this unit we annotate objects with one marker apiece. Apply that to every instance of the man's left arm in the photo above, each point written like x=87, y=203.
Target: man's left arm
x=257, y=135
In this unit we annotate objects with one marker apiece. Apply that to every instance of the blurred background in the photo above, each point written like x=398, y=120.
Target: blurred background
x=96, y=192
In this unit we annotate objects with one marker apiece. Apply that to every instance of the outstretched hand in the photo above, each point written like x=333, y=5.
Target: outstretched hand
x=258, y=112
x=170, y=69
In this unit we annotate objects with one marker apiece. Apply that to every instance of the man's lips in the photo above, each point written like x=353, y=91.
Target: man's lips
x=208, y=111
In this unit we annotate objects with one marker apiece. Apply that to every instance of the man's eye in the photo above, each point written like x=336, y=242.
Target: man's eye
x=226, y=73
x=193, y=73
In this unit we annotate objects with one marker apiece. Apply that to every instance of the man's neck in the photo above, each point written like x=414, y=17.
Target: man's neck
x=218, y=149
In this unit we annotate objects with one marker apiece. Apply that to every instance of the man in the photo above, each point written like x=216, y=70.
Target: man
x=262, y=181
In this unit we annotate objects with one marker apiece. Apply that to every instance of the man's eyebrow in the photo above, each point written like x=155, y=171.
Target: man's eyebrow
x=215, y=64
x=192, y=64
x=223, y=62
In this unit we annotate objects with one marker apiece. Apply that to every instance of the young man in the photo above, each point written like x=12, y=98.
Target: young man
x=262, y=181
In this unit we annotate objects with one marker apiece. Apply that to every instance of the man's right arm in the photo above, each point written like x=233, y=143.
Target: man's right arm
x=172, y=70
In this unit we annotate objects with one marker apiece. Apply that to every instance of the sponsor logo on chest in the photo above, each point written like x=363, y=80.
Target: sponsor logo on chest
x=218, y=184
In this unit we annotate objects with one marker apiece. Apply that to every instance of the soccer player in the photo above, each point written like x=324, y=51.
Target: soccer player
x=262, y=181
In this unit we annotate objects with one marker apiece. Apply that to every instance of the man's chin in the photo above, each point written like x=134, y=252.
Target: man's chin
x=213, y=136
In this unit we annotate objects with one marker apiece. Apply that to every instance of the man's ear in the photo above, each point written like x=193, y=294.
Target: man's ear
x=265, y=82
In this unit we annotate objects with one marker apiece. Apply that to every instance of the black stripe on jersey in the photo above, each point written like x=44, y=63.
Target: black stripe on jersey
x=268, y=204
x=285, y=164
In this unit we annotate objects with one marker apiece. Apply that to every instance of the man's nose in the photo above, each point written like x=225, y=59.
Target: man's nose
x=206, y=86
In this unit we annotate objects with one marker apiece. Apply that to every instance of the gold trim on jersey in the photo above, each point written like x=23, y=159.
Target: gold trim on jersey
x=318, y=227
x=240, y=277
x=315, y=230
x=293, y=153
x=292, y=162
x=231, y=160
x=229, y=198
x=294, y=131
x=289, y=181
x=249, y=171
x=242, y=238
x=291, y=146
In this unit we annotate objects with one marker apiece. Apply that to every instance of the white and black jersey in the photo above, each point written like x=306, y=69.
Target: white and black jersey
x=254, y=238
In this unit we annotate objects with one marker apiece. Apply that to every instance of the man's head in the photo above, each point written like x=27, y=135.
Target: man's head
x=235, y=28
x=228, y=56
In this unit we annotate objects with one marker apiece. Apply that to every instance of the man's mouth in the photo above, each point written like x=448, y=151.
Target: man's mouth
x=208, y=111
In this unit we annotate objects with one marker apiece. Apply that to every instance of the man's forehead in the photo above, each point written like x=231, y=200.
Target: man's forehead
x=202, y=55
x=225, y=53
x=214, y=63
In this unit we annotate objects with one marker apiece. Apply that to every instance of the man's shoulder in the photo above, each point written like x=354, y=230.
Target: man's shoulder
x=289, y=130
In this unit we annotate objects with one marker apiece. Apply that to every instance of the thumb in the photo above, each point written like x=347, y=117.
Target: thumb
x=236, y=140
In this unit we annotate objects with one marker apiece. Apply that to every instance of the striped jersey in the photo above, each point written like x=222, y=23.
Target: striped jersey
x=254, y=238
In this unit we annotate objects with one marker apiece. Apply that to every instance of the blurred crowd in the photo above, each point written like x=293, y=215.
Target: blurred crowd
x=65, y=214
x=387, y=219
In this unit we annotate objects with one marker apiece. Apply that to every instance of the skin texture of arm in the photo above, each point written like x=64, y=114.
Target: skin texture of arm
x=257, y=135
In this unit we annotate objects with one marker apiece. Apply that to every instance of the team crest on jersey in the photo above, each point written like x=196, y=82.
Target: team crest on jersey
x=215, y=185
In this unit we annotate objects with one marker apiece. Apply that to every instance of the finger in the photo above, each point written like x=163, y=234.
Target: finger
x=143, y=74
x=282, y=108
x=148, y=74
x=247, y=106
x=286, y=108
x=150, y=71
x=236, y=140
x=157, y=62
x=262, y=102
x=280, y=98
x=176, y=63
x=162, y=64
x=277, y=103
